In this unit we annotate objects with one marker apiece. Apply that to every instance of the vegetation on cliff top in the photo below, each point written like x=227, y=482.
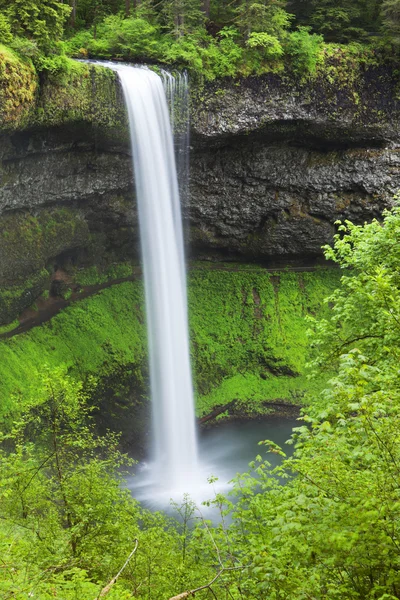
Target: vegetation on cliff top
x=214, y=39
x=323, y=525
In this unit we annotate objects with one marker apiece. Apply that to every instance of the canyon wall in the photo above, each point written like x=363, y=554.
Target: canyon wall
x=275, y=161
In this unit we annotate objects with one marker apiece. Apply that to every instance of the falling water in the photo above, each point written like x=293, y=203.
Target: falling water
x=175, y=445
x=176, y=89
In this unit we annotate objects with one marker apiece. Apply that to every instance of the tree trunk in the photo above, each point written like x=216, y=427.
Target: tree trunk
x=73, y=14
x=205, y=7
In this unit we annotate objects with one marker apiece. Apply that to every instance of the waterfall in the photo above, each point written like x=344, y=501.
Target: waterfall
x=176, y=89
x=175, y=444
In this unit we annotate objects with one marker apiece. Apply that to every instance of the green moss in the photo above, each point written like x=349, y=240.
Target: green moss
x=252, y=393
x=95, y=275
x=70, y=92
x=82, y=93
x=248, y=332
x=18, y=87
x=9, y=327
x=27, y=240
x=93, y=336
x=14, y=299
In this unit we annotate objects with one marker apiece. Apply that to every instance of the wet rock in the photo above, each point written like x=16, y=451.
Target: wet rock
x=274, y=163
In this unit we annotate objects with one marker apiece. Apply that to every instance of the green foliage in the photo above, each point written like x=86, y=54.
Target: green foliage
x=371, y=256
x=117, y=37
x=248, y=332
x=94, y=275
x=57, y=65
x=268, y=17
x=218, y=57
x=15, y=299
x=191, y=33
x=325, y=524
x=42, y=20
x=5, y=30
x=128, y=38
x=93, y=336
x=252, y=38
x=270, y=44
x=181, y=17
x=345, y=20
x=91, y=12
x=391, y=19
x=249, y=336
x=68, y=523
x=304, y=49
x=18, y=84
x=223, y=57
x=24, y=47
x=322, y=525
x=9, y=327
x=252, y=393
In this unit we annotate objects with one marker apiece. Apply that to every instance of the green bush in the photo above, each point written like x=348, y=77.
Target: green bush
x=304, y=50
x=40, y=20
x=117, y=37
x=54, y=64
x=185, y=50
x=269, y=45
x=5, y=30
x=25, y=47
x=132, y=38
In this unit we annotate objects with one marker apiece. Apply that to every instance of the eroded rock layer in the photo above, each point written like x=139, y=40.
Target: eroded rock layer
x=274, y=164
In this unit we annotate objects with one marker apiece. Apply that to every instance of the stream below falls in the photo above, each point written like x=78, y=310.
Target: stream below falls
x=224, y=451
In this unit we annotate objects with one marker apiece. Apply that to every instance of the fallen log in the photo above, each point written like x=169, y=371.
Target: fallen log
x=217, y=411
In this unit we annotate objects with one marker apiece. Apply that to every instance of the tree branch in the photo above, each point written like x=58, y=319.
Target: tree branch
x=190, y=593
x=114, y=580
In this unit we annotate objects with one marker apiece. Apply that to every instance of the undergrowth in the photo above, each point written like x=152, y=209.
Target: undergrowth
x=248, y=332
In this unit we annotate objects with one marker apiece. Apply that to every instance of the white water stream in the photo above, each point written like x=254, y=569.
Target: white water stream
x=174, y=469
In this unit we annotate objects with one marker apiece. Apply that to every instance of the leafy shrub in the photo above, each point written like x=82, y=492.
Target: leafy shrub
x=184, y=50
x=117, y=37
x=304, y=49
x=221, y=59
x=5, y=30
x=99, y=48
x=40, y=20
x=80, y=41
x=25, y=47
x=133, y=37
x=54, y=64
x=270, y=45
x=269, y=17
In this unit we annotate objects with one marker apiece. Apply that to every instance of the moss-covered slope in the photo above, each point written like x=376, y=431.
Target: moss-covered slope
x=18, y=87
x=249, y=334
x=248, y=331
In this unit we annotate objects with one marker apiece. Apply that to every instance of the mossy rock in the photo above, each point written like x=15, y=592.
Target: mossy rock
x=77, y=93
x=85, y=93
x=14, y=299
x=18, y=89
x=27, y=240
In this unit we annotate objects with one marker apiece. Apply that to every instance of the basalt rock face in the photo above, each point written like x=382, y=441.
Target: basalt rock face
x=274, y=163
x=270, y=201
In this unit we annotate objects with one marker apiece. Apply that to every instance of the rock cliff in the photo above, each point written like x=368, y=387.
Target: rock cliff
x=274, y=163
